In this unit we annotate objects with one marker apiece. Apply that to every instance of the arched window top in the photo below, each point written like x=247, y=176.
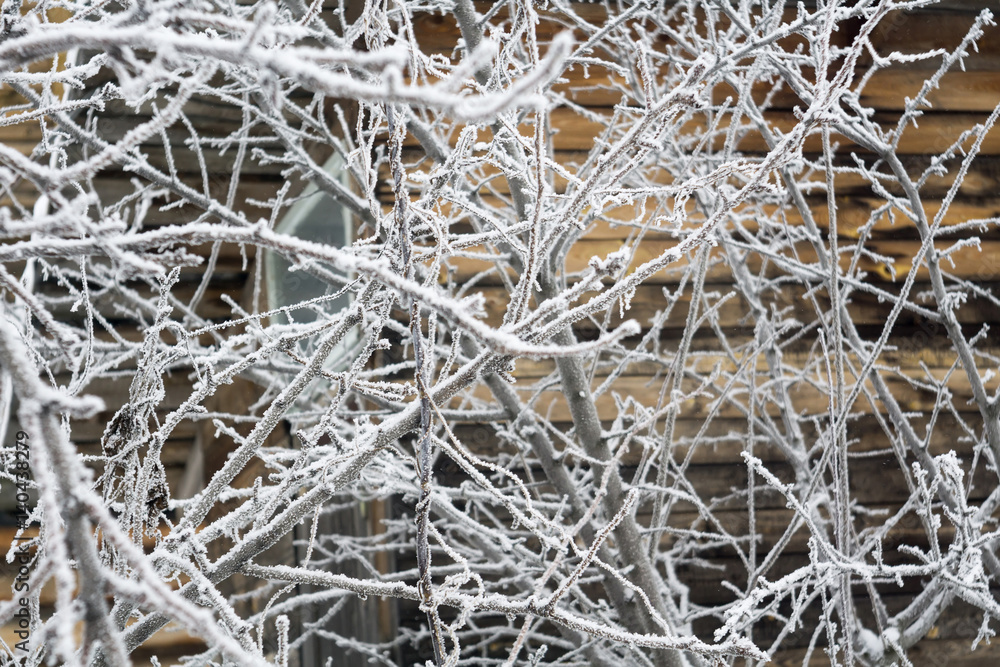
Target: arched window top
x=315, y=217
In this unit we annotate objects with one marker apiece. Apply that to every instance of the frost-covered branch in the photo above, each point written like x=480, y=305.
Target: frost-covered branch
x=522, y=317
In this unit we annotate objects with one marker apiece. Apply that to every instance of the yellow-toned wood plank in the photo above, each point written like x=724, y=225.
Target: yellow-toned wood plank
x=974, y=263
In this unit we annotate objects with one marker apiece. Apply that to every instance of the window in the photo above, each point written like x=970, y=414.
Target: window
x=314, y=217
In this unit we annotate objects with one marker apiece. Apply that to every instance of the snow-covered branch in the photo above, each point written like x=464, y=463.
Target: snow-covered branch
x=561, y=304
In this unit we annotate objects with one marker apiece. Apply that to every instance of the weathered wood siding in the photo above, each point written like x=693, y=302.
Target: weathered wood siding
x=963, y=98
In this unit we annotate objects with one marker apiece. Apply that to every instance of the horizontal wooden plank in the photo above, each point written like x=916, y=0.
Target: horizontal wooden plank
x=876, y=482
x=806, y=398
x=949, y=641
x=981, y=180
x=115, y=390
x=915, y=362
x=8, y=571
x=885, y=90
x=854, y=214
x=771, y=524
x=173, y=454
x=733, y=313
x=166, y=209
x=934, y=134
x=91, y=430
x=953, y=653
x=438, y=32
x=172, y=640
x=20, y=135
x=969, y=262
x=115, y=307
x=186, y=162
x=941, y=26
x=723, y=440
x=961, y=90
x=923, y=31
x=703, y=581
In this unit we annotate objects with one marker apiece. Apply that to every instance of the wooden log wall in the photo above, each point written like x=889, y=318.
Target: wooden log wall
x=963, y=98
